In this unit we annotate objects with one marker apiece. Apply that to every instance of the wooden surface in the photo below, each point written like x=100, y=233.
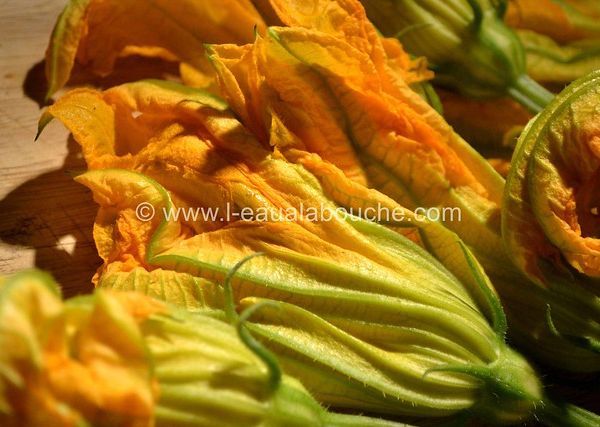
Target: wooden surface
x=45, y=217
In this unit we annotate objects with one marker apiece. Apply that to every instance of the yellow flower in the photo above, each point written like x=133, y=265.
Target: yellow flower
x=96, y=33
x=124, y=359
x=68, y=366
x=182, y=148
x=307, y=92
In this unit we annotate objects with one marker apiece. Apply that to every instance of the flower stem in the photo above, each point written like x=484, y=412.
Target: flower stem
x=566, y=415
x=530, y=94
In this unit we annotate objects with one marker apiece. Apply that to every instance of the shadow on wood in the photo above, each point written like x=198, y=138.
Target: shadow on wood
x=127, y=69
x=54, y=215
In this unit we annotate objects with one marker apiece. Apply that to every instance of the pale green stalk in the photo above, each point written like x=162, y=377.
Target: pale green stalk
x=469, y=46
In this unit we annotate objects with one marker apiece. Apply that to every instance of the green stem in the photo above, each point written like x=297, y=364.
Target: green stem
x=566, y=415
x=530, y=94
x=257, y=348
x=344, y=420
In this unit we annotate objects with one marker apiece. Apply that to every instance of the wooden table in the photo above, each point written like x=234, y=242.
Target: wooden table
x=45, y=217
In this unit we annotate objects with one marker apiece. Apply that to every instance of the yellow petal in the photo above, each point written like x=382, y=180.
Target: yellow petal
x=95, y=33
x=550, y=212
x=128, y=218
x=347, y=20
x=100, y=374
x=544, y=16
x=483, y=123
x=180, y=289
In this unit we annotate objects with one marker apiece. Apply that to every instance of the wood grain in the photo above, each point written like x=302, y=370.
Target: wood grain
x=45, y=217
